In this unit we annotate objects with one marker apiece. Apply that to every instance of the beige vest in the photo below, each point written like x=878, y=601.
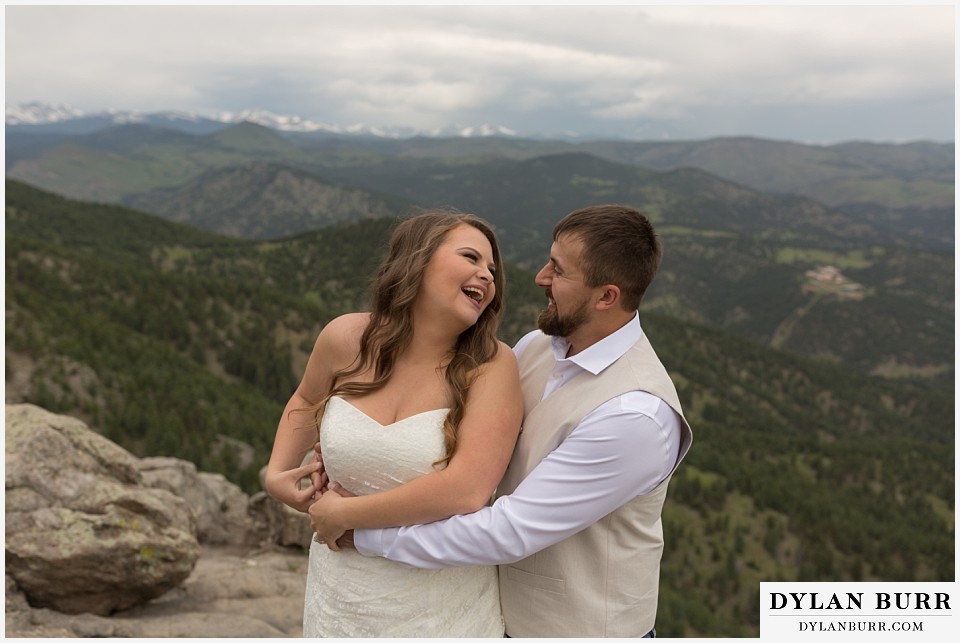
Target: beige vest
x=604, y=580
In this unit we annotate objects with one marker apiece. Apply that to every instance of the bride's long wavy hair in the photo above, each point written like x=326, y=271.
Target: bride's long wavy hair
x=390, y=329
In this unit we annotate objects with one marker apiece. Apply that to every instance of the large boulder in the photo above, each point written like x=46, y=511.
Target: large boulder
x=83, y=533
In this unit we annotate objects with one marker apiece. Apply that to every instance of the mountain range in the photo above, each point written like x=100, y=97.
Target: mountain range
x=41, y=117
x=906, y=180
x=824, y=251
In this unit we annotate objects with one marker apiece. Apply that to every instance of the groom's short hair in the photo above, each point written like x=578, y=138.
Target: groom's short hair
x=620, y=247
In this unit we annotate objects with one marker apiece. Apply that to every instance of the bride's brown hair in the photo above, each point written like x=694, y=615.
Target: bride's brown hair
x=390, y=329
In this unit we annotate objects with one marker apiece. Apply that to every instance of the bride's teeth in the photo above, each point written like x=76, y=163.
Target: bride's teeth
x=474, y=293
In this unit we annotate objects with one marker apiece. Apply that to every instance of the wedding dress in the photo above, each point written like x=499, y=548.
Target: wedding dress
x=350, y=595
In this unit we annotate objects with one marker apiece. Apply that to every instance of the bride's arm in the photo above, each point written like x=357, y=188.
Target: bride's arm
x=296, y=431
x=487, y=435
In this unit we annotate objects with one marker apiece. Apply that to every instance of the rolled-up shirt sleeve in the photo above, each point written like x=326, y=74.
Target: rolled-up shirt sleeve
x=624, y=448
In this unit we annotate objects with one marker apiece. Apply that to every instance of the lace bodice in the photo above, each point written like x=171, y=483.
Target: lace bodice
x=365, y=456
x=349, y=595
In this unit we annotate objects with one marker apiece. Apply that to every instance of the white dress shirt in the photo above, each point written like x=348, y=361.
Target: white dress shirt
x=622, y=449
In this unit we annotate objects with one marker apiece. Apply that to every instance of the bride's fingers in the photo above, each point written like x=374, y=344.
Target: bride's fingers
x=310, y=469
x=306, y=493
x=319, y=480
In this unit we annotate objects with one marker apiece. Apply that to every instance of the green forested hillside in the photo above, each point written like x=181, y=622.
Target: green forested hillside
x=907, y=189
x=918, y=174
x=875, y=181
x=115, y=163
x=733, y=257
x=174, y=341
x=802, y=471
x=889, y=311
x=261, y=200
x=754, y=260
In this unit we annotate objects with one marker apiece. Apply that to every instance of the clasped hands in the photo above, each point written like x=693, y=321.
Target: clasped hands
x=321, y=499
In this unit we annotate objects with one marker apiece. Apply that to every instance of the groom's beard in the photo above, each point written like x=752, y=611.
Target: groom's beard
x=551, y=323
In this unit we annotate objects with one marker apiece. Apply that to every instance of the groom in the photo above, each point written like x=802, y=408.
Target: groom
x=576, y=525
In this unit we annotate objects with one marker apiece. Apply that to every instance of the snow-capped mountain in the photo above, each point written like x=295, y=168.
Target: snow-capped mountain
x=469, y=131
x=281, y=122
x=40, y=114
x=66, y=119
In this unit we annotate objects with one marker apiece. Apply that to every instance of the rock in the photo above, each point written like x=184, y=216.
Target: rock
x=273, y=579
x=235, y=523
x=244, y=453
x=83, y=533
x=232, y=592
x=225, y=514
x=280, y=524
x=221, y=508
x=180, y=478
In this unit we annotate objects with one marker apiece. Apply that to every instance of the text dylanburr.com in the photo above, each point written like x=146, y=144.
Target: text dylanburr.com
x=804, y=611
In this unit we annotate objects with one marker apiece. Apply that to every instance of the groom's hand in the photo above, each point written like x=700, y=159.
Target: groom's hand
x=319, y=478
x=346, y=540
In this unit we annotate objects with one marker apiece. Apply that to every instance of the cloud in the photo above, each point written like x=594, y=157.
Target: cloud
x=568, y=66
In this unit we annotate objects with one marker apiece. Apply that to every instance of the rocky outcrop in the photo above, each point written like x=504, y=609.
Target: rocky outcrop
x=83, y=533
x=232, y=592
x=101, y=543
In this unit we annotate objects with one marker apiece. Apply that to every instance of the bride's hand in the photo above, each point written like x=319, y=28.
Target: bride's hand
x=286, y=487
x=325, y=516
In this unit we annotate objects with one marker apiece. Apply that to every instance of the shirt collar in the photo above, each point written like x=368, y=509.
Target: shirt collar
x=602, y=354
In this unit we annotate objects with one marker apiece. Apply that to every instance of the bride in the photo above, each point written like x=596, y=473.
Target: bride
x=418, y=408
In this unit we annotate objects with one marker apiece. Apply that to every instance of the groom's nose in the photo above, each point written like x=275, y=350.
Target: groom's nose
x=544, y=277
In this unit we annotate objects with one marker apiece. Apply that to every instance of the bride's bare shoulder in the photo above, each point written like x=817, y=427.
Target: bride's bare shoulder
x=347, y=325
x=341, y=336
x=336, y=348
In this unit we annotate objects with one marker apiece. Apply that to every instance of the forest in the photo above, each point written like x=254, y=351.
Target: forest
x=744, y=220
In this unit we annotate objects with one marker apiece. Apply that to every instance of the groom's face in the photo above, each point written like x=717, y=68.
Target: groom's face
x=568, y=297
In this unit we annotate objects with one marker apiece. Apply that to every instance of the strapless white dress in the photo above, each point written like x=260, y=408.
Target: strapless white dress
x=350, y=595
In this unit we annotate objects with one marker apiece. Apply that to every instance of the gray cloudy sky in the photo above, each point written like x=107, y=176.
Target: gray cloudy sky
x=818, y=74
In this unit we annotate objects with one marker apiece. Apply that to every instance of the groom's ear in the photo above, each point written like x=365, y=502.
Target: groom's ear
x=609, y=297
